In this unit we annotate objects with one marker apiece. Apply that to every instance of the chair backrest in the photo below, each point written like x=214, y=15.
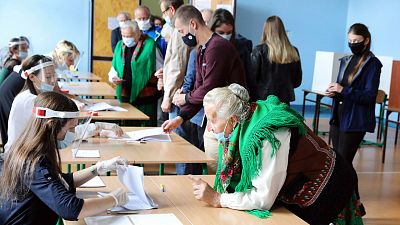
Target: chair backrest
x=381, y=97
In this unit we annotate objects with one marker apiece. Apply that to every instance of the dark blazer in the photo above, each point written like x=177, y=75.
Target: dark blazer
x=358, y=98
x=272, y=78
x=115, y=37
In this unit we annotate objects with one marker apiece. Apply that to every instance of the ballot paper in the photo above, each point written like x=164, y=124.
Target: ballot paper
x=153, y=134
x=132, y=178
x=153, y=219
x=79, y=153
x=103, y=106
x=94, y=183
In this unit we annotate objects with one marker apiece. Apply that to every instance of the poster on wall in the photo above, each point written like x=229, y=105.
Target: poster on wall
x=202, y=4
x=215, y=4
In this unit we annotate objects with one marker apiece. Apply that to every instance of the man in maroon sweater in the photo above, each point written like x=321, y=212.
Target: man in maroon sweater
x=218, y=64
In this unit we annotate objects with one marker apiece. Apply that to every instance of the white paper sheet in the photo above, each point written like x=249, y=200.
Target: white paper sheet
x=103, y=106
x=132, y=178
x=94, y=182
x=154, y=134
x=87, y=153
x=153, y=219
x=108, y=220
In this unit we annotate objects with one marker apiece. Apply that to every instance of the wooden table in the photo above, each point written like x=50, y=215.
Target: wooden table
x=91, y=89
x=177, y=151
x=80, y=76
x=318, y=97
x=132, y=114
x=178, y=199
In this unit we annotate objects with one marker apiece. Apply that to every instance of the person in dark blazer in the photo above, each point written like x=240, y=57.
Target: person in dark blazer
x=354, y=95
x=116, y=33
x=276, y=66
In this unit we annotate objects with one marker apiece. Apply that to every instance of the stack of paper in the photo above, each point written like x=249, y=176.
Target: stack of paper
x=103, y=106
x=153, y=219
x=138, y=199
x=153, y=134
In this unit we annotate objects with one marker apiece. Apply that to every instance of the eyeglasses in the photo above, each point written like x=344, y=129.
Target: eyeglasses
x=163, y=12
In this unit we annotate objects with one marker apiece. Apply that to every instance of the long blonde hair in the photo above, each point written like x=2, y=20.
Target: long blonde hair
x=37, y=141
x=280, y=50
x=63, y=50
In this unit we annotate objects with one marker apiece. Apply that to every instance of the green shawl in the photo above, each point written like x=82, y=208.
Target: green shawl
x=143, y=65
x=247, y=139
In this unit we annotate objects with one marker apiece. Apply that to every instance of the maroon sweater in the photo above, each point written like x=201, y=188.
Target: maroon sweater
x=218, y=64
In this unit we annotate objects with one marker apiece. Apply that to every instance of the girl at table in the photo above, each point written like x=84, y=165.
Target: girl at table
x=40, y=77
x=267, y=155
x=33, y=188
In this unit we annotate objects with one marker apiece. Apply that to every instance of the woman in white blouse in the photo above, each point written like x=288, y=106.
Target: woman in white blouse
x=267, y=155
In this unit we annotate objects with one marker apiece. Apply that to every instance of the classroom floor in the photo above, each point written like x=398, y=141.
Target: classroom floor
x=379, y=183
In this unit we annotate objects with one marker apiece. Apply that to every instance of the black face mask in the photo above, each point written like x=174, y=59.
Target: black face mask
x=189, y=39
x=357, y=48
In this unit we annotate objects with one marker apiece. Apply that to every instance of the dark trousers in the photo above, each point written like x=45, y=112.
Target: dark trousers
x=196, y=135
x=346, y=145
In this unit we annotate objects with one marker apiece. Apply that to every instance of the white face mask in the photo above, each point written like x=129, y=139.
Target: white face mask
x=166, y=30
x=167, y=20
x=68, y=139
x=120, y=23
x=129, y=42
x=226, y=36
x=144, y=24
x=22, y=55
x=44, y=87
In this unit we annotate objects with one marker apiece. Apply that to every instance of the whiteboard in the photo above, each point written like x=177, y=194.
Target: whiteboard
x=45, y=22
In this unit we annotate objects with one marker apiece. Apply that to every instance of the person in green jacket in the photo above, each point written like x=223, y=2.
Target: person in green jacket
x=136, y=58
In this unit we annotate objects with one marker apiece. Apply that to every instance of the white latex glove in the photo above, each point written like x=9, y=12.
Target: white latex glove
x=109, y=126
x=108, y=165
x=120, y=197
x=90, y=131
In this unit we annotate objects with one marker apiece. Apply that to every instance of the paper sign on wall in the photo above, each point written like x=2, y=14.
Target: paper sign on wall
x=112, y=23
x=227, y=7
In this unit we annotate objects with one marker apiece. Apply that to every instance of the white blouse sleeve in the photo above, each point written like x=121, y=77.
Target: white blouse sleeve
x=268, y=183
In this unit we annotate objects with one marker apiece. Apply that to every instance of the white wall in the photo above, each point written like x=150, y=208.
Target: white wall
x=45, y=22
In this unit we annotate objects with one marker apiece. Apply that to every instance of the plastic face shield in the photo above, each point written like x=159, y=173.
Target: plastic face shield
x=45, y=73
x=22, y=45
x=84, y=122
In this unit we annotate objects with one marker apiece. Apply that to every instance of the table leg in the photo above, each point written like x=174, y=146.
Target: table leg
x=161, y=171
x=205, y=169
x=385, y=135
x=397, y=128
x=304, y=103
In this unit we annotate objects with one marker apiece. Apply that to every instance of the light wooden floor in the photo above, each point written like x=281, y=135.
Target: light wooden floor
x=379, y=183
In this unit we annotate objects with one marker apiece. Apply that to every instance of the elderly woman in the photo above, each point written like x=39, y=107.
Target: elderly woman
x=136, y=58
x=267, y=155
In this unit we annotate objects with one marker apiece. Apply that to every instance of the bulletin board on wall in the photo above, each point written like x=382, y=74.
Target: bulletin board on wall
x=104, y=15
x=229, y=5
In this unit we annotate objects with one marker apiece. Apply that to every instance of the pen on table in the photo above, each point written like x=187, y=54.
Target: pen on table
x=162, y=188
x=137, y=142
